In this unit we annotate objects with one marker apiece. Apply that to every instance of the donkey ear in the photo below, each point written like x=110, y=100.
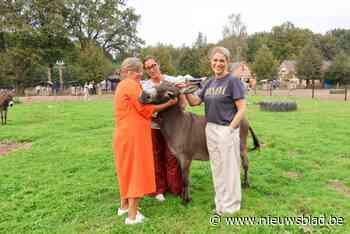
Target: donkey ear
x=144, y=97
x=171, y=94
x=11, y=93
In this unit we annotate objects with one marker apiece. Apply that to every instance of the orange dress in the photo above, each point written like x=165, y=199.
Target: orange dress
x=132, y=141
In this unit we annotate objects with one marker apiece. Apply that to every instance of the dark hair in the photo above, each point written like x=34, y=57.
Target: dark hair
x=148, y=57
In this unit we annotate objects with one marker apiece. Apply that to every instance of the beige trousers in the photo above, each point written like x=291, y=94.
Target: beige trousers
x=224, y=155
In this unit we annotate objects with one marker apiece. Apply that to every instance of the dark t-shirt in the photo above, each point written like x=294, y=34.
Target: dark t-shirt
x=219, y=96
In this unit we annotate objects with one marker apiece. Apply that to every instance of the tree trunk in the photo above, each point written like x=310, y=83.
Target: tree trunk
x=61, y=79
x=83, y=44
x=49, y=73
x=19, y=84
x=346, y=93
x=313, y=88
x=19, y=88
x=270, y=89
x=267, y=89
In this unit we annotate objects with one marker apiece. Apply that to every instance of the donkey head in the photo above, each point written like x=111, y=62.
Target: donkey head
x=6, y=99
x=160, y=94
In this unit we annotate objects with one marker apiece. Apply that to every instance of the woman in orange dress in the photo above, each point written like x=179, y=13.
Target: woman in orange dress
x=132, y=141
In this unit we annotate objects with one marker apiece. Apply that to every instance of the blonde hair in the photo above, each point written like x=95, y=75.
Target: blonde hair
x=221, y=50
x=131, y=64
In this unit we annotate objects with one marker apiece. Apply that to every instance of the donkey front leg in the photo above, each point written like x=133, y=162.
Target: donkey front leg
x=2, y=118
x=5, y=116
x=245, y=165
x=185, y=171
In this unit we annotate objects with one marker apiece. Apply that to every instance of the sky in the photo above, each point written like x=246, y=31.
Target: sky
x=178, y=22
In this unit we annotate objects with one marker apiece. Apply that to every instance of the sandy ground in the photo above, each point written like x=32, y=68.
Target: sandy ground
x=320, y=94
x=7, y=146
x=63, y=98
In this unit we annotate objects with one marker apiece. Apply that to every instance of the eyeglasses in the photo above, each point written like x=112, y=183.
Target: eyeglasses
x=150, y=67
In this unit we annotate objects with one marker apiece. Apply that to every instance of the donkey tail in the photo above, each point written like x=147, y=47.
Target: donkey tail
x=255, y=139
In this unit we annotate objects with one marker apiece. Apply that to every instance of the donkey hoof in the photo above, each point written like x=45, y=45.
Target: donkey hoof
x=184, y=202
x=246, y=184
x=187, y=200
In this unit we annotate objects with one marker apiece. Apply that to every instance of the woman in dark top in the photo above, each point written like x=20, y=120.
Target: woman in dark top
x=223, y=96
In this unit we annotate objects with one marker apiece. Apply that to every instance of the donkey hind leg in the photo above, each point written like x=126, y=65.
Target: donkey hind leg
x=185, y=172
x=245, y=165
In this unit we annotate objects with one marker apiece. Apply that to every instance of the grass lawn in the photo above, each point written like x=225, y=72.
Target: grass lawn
x=66, y=182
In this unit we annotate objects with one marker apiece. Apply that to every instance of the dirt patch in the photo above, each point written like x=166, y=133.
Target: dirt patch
x=7, y=146
x=320, y=94
x=30, y=99
x=340, y=187
x=292, y=174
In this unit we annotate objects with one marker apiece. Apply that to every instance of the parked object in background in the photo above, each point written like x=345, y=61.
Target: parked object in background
x=278, y=106
x=337, y=91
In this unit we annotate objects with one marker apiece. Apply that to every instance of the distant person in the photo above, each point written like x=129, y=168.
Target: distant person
x=86, y=91
x=91, y=88
x=55, y=88
x=132, y=142
x=38, y=90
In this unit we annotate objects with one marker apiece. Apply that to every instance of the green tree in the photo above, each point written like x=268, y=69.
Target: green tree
x=93, y=64
x=201, y=41
x=309, y=65
x=53, y=42
x=189, y=62
x=287, y=41
x=235, y=37
x=342, y=39
x=44, y=21
x=204, y=61
x=339, y=70
x=18, y=57
x=235, y=27
x=201, y=49
x=255, y=42
x=327, y=44
x=265, y=65
x=110, y=23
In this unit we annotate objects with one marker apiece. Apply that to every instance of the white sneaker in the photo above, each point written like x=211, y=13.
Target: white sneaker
x=122, y=211
x=125, y=211
x=217, y=212
x=137, y=220
x=138, y=214
x=160, y=197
